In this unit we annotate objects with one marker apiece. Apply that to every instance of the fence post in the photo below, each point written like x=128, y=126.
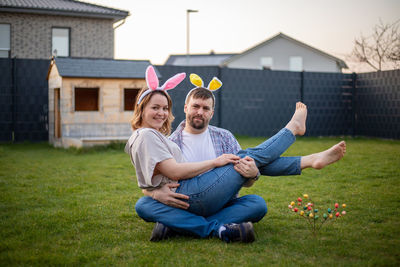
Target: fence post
x=219, y=99
x=354, y=103
x=13, y=96
x=302, y=86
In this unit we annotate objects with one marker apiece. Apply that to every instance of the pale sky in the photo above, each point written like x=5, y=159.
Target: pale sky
x=157, y=28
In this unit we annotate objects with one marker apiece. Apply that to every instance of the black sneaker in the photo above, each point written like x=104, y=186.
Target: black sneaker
x=160, y=232
x=242, y=232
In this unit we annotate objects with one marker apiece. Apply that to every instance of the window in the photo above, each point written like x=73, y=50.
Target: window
x=296, y=63
x=129, y=98
x=60, y=42
x=266, y=63
x=86, y=99
x=5, y=40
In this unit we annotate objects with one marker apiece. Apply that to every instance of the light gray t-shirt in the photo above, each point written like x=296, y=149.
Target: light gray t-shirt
x=147, y=147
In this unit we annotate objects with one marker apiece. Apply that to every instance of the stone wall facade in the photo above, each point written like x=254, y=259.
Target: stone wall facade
x=31, y=35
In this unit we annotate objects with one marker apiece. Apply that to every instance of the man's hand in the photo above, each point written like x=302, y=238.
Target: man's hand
x=247, y=167
x=167, y=197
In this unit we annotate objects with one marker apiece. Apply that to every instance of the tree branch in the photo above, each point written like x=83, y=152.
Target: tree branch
x=381, y=49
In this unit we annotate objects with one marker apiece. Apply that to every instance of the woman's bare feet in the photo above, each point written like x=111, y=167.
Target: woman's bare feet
x=324, y=158
x=297, y=125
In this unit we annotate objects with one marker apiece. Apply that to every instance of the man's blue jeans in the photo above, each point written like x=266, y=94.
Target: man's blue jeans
x=211, y=195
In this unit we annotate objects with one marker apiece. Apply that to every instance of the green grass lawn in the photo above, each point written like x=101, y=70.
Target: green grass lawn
x=76, y=207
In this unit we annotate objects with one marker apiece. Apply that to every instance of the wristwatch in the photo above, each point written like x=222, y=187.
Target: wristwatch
x=257, y=176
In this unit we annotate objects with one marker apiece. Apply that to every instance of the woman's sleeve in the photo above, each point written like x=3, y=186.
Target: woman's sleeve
x=149, y=150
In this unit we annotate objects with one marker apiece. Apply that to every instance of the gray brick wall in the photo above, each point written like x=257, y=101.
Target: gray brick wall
x=31, y=35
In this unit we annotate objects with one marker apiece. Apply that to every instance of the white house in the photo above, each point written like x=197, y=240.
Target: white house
x=282, y=52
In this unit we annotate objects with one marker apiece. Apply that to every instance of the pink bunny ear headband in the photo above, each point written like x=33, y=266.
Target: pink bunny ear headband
x=153, y=83
x=195, y=79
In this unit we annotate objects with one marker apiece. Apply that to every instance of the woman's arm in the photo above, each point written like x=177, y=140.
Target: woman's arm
x=180, y=171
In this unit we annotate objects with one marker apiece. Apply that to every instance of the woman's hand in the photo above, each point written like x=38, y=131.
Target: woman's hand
x=225, y=159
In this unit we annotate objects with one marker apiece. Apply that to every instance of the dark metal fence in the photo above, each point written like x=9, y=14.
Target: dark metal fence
x=329, y=100
x=260, y=102
x=23, y=100
x=377, y=104
x=251, y=102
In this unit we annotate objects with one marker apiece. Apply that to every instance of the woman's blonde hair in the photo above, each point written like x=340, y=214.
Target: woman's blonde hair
x=137, y=119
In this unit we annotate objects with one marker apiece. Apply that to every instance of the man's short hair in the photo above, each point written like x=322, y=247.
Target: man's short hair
x=202, y=93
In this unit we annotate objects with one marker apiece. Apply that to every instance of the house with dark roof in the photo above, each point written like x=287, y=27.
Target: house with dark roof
x=211, y=59
x=91, y=100
x=39, y=29
x=282, y=52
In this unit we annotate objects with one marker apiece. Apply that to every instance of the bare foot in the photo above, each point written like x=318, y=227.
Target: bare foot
x=329, y=156
x=297, y=125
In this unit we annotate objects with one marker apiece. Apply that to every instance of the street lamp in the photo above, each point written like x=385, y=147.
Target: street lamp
x=188, y=11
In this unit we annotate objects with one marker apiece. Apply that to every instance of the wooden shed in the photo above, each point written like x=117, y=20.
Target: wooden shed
x=91, y=100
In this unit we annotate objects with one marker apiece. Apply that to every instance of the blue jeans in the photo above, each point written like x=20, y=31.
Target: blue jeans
x=243, y=209
x=211, y=195
x=282, y=166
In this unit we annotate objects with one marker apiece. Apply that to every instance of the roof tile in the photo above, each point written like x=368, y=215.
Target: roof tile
x=62, y=6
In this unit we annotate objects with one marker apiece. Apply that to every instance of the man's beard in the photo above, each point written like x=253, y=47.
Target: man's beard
x=197, y=126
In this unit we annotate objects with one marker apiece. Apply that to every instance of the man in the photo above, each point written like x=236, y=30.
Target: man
x=199, y=141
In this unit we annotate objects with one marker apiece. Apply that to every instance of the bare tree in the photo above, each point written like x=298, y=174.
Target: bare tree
x=381, y=50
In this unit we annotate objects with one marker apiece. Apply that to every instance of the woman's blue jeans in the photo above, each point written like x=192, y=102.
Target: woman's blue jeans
x=211, y=194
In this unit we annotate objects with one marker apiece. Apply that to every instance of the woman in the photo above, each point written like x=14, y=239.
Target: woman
x=158, y=161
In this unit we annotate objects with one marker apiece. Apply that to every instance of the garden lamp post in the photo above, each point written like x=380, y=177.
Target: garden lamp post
x=188, y=11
